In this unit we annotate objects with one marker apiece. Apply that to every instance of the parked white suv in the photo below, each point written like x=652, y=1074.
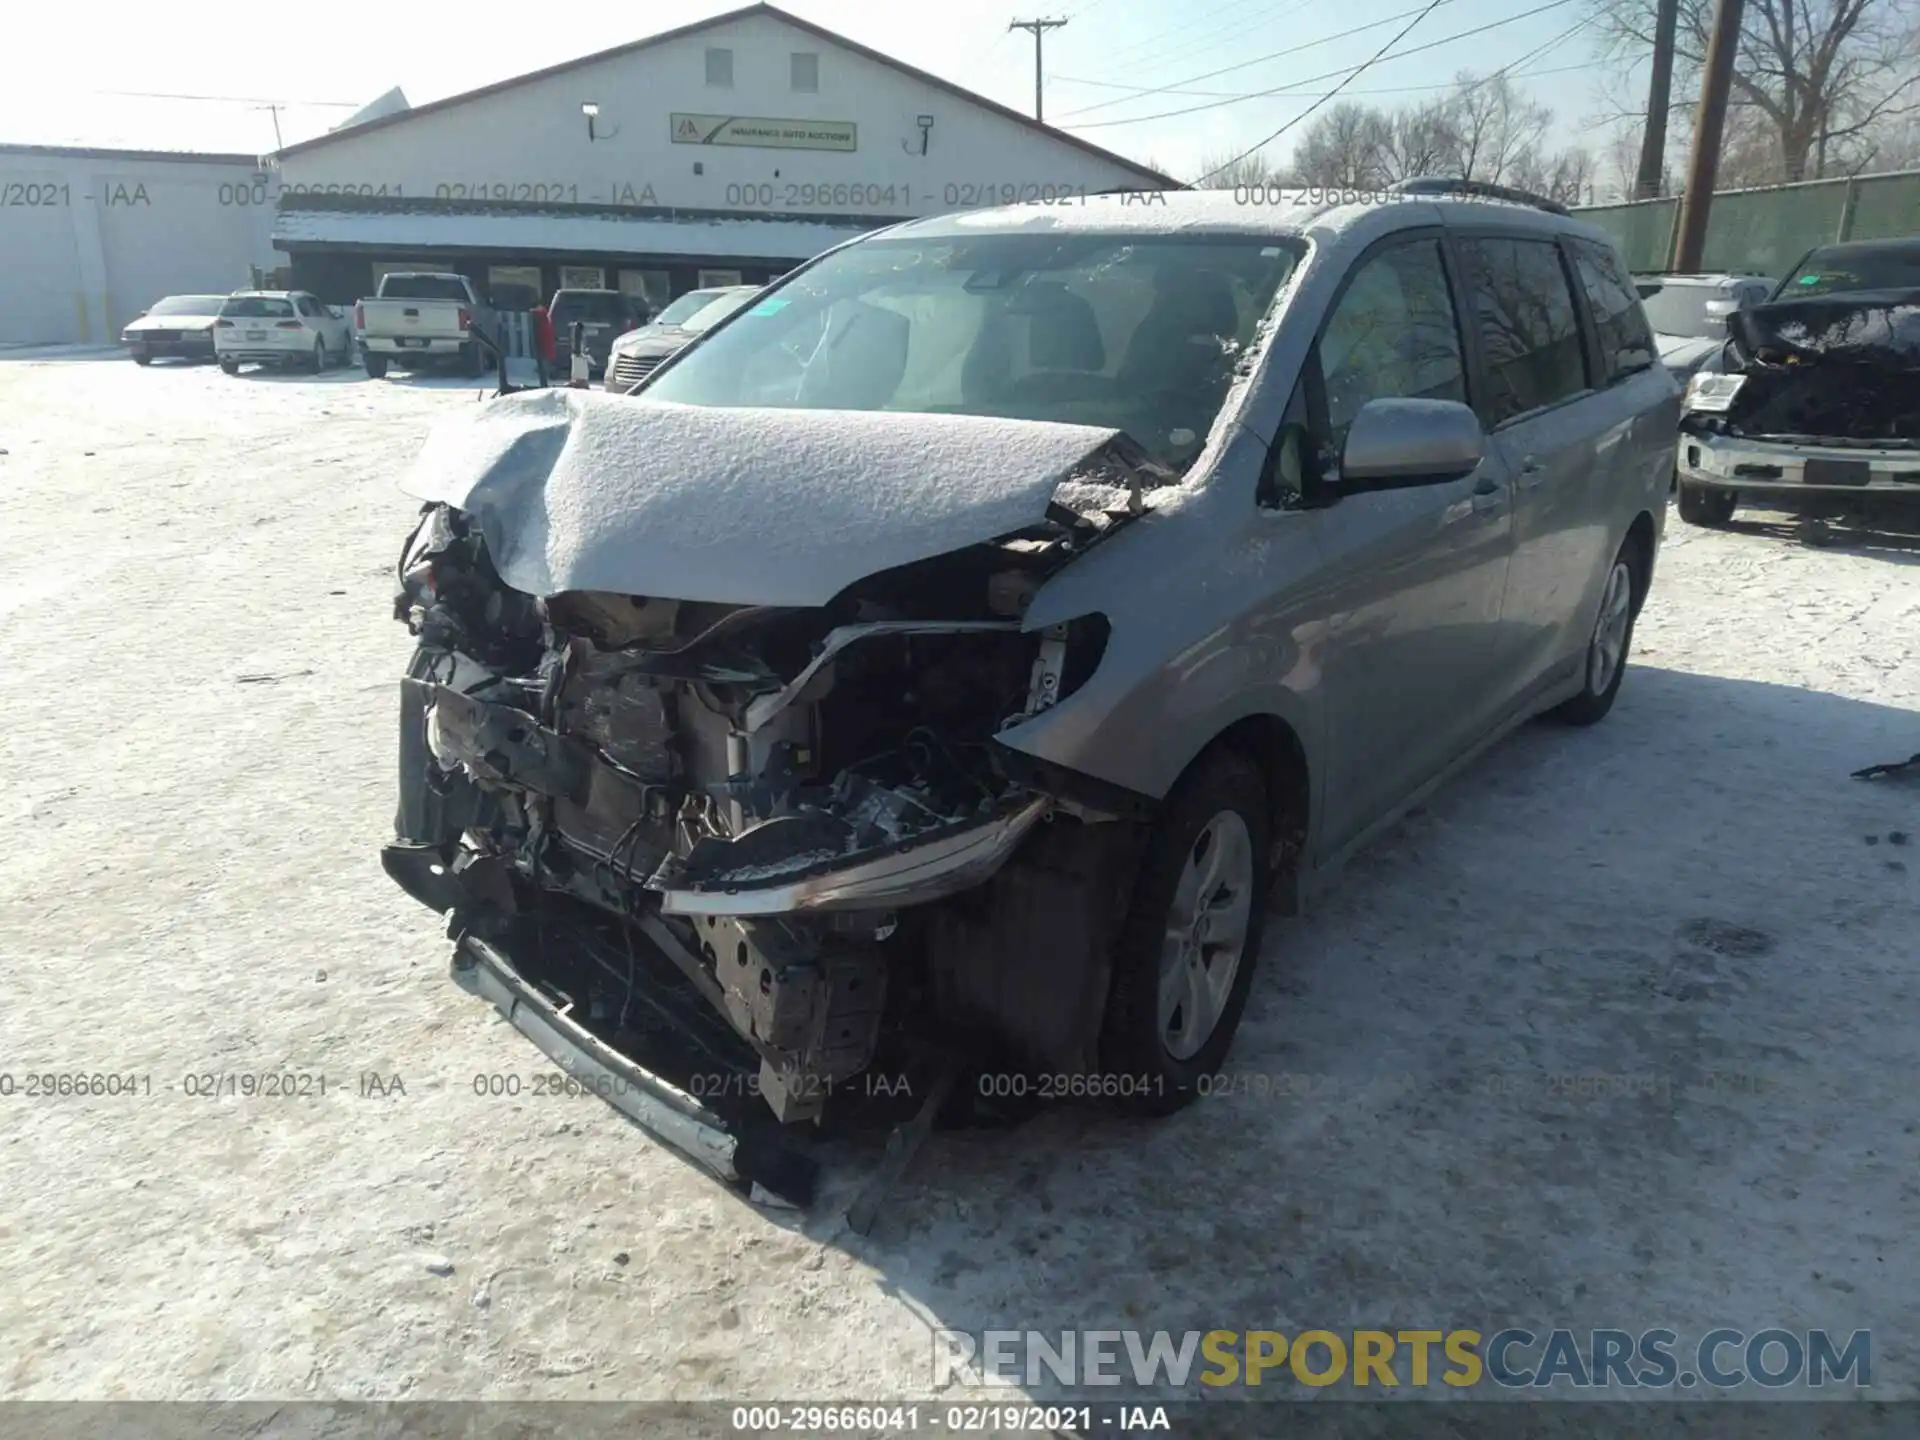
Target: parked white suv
x=287, y=328
x=1689, y=315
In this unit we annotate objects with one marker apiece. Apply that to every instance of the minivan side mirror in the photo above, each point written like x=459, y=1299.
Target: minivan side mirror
x=1394, y=444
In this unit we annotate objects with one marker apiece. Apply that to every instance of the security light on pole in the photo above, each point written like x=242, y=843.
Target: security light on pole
x=591, y=110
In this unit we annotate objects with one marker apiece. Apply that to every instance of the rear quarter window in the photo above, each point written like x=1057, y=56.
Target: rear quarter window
x=1529, y=331
x=1626, y=339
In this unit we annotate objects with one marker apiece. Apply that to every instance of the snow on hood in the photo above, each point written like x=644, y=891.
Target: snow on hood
x=585, y=490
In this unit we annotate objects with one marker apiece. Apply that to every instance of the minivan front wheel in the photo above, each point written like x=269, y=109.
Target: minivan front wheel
x=1605, y=664
x=1185, y=959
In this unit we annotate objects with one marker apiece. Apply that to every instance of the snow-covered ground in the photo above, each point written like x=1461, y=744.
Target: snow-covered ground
x=1621, y=1030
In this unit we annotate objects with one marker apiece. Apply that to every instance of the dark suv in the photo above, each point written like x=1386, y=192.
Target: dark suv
x=604, y=315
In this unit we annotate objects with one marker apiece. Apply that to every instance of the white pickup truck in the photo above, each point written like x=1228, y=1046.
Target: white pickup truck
x=417, y=319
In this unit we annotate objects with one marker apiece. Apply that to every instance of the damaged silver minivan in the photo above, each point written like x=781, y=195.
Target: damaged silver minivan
x=956, y=652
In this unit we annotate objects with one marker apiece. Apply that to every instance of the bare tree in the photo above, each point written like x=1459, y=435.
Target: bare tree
x=1567, y=175
x=1226, y=172
x=1419, y=140
x=1342, y=147
x=1483, y=129
x=1495, y=127
x=1823, y=75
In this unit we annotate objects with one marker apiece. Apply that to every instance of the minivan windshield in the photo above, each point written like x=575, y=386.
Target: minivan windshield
x=1131, y=332
x=1840, y=269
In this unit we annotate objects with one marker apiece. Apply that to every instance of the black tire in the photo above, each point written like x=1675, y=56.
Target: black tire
x=232, y=367
x=319, y=361
x=1707, y=504
x=1593, y=702
x=143, y=359
x=374, y=365
x=1134, y=1051
x=471, y=364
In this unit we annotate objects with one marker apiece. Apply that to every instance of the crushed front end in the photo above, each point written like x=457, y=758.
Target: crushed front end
x=1815, y=395
x=716, y=859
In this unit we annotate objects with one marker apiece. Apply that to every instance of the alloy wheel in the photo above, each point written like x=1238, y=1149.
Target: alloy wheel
x=1206, y=934
x=1609, y=649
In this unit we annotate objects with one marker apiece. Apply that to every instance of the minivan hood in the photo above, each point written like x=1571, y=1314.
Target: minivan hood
x=585, y=490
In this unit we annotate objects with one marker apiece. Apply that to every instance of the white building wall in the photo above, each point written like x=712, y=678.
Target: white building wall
x=91, y=238
x=530, y=142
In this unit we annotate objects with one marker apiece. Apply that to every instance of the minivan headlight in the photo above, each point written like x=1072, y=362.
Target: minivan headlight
x=1712, y=394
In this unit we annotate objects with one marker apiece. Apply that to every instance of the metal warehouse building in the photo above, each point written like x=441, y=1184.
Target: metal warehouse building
x=89, y=238
x=722, y=152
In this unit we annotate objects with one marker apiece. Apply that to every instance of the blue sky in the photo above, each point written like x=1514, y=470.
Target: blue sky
x=241, y=48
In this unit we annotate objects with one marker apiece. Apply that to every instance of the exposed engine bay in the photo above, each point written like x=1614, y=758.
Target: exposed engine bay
x=792, y=819
x=1840, y=369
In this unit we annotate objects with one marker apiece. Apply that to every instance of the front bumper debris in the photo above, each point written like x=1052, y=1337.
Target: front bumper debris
x=1821, y=466
x=729, y=1146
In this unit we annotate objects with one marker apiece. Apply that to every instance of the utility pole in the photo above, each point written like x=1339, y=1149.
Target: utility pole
x=1653, y=141
x=1039, y=29
x=1703, y=167
x=274, y=110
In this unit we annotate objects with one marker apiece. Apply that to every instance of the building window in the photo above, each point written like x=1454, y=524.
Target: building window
x=806, y=72
x=717, y=279
x=582, y=277
x=514, y=287
x=720, y=68
x=653, y=286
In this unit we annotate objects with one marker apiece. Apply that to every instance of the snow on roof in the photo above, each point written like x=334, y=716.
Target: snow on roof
x=1242, y=210
x=607, y=234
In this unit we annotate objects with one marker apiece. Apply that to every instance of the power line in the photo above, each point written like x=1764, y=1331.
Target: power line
x=1135, y=53
x=1258, y=59
x=1432, y=5
x=1533, y=54
x=1059, y=79
x=1351, y=70
x=232, y=99
x=1186, y=44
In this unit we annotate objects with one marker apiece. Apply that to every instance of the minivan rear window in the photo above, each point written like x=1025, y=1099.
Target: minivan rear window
x=257, y=307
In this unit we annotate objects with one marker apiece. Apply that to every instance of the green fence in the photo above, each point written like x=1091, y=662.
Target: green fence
x=1765, y=231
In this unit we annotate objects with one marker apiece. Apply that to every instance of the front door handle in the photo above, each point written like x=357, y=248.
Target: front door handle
x=1488, y=495
x=1532, y=472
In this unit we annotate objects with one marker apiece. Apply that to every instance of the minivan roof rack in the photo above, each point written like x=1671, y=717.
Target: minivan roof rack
x=1478, y=189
